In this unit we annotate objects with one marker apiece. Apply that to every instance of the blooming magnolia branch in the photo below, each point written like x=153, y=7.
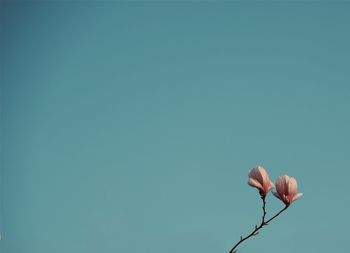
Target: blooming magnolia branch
x=286, y=188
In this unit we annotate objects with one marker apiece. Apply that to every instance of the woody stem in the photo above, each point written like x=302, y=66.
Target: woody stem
x=257, y=228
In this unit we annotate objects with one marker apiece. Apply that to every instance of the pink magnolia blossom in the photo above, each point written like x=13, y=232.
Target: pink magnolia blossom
x=287, y=189
x=259, y=179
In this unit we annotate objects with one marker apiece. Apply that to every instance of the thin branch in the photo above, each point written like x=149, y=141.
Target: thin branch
x=257, y=228
x=273, y=217
x=264, y=210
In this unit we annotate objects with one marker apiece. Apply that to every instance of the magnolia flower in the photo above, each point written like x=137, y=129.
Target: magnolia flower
x=287, y=189
x=259, y=179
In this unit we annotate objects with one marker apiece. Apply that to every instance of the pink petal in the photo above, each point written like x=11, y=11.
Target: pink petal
x=297, y=196
x=257, y=176
x=285, y=184
x=254, y=183
x=276, y=195
x=280, y=186
x=292, y=187
x=263, y=173
x=271, y=186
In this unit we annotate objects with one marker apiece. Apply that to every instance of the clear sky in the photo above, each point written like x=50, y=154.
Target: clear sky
x=131, y=127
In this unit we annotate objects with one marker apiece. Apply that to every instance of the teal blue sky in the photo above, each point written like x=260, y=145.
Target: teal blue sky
x=131, y=127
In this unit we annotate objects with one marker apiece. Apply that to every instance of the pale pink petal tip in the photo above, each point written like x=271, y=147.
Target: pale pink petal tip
x=297, y=196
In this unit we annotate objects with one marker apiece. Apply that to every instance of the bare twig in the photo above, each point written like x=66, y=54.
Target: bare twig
x=257, y=228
